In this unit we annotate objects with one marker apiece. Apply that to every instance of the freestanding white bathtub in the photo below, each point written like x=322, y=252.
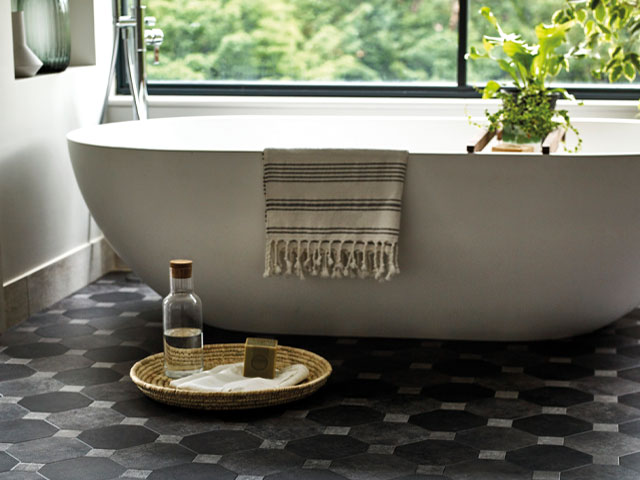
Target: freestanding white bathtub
x=493, y=246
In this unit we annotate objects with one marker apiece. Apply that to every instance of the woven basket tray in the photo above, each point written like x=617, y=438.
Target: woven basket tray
x=148, y=375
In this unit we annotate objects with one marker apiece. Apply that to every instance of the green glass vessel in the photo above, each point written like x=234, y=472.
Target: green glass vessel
x=48, y=32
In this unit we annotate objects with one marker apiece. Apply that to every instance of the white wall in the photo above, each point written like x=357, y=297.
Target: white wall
x=42, y=214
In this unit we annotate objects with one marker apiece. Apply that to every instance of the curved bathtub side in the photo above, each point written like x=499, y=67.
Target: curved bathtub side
x=492, y=247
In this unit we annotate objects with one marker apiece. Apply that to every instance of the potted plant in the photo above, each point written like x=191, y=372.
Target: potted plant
x=527, y=113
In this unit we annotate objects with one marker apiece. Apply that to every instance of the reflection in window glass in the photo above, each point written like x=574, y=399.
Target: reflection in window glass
x=318, y=41
x=517, y=16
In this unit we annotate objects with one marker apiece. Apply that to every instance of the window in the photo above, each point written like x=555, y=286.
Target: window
x=347, y=47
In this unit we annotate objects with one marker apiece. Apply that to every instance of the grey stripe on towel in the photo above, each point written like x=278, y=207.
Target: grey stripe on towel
x=333, y=213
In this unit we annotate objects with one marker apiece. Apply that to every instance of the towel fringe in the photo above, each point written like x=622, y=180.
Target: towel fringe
x=331, y=259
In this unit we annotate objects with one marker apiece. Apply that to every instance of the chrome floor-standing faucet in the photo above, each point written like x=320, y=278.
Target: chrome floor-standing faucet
x=129, y=30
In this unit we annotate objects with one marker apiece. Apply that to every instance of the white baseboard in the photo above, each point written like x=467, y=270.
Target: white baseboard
x=42, y=287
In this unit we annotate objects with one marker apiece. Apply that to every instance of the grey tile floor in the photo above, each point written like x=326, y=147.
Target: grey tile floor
x=393, y=409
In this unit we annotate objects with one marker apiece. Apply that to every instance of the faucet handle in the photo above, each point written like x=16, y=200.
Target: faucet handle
x=150, y=21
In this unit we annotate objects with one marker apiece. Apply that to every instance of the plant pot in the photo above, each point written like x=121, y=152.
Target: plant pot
x=514, y=132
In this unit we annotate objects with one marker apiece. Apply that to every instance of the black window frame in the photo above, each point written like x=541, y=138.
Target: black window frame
x=461, y=90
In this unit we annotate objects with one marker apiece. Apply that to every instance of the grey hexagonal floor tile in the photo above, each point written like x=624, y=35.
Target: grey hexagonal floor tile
x=609, y=444
x=88, y=376
x=495, y=438
x=486, y=470
x=192, y=471
x=219, y=442
x=11, y=372
x=436, y=452
x=48, y=450
x=369, y=466
x=85, y=418
x=260, y=462
x=600, y=472
x=447, y=420
x=284, y=428
x=388, y=433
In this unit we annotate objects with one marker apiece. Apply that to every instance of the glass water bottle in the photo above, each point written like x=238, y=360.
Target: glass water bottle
x=182, y=323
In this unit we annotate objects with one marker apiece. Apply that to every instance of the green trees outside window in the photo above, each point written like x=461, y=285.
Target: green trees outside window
x=334, y=42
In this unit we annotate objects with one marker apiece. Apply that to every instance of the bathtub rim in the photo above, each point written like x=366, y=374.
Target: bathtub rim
x=79, y=135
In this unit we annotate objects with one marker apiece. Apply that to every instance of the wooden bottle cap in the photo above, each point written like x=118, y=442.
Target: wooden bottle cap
x=181, y=268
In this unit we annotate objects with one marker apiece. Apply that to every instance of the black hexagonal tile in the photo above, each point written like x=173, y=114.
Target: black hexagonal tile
x=552, y=425
x=436, y=452
x=631, y=461
x=369, y=466
x=35, y=350
x=562, y=348
x=631, y=428
x=139, y=333
x=361, y=388
x=552, y=458
x=606, y=361
x=48, y=450
x=55, y=402
x=606, y=385
x=7, y=462
x=466, y=368
x=457, y=392
x=82, y=468
x=16, y=431
x=487, y=470
x=219, y=442
x=327, y=447
x=11, y=372
x=387, y=433
x=447, y=420
x=65, y=331
x=305, y=474
x=345, y=415
x=151, y=456
x=632, y=374
x=631, y=399
x=503, y=408
x=260, y=462
x=556, y=396
x=558, y=371
x=192, y=471
x=495, y=438
x=117, y=436
x=88, y=376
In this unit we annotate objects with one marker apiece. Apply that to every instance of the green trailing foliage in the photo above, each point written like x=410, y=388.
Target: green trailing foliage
x=611, y=35
x=529, y=109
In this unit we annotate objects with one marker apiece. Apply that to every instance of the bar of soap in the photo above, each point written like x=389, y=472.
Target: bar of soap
x=260, y=357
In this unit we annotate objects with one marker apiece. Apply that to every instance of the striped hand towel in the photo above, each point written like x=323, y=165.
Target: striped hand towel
x=333, y=213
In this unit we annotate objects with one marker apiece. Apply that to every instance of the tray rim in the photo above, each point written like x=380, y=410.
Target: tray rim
x=311, y=386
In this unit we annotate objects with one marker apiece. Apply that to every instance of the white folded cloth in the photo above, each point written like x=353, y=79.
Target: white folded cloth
x=229, y=378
